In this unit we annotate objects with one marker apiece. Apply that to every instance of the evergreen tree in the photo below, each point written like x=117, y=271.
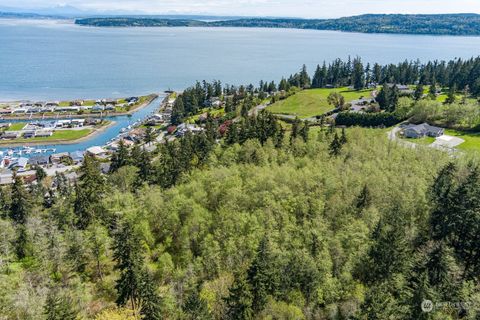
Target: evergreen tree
x=295, y=130
x=364, y=199
x=262, y=276
x=89, y=192
x=40, y=174
x=196, y=307
x=304, y=131
x=178, y=111
x=304, y=80
x=20, y=205
x=59, y=307
x=135, y=286
x=418, y=94
x=120, y=158
x=358, y=77
x=149, y=135
x=432, y=92
x=343, y=138
x=451, y=95
x=335, y=146
x=240, y=300
x=383, y=97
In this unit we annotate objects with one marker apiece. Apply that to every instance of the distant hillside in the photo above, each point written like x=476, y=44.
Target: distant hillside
x=444, y=24
x=139, y=22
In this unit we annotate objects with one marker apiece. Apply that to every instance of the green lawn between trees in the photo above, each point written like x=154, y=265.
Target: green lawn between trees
x=313, y=102
x=57, y=136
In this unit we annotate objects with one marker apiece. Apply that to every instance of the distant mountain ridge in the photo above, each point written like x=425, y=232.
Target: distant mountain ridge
x=466, y=24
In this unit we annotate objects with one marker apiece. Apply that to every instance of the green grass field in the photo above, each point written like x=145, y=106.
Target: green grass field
x=16, y=126
x=57, y=136
x=425, y=141
x=472, y=139
x=313, y=102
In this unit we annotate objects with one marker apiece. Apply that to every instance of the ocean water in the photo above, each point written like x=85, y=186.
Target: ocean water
x=59, y=60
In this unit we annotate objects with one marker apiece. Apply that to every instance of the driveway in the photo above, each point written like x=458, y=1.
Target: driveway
x=447, y=142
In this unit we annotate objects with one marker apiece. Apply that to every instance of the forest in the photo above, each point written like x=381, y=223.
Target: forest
x=439, y=24
x=255, y=218
x=319, y=224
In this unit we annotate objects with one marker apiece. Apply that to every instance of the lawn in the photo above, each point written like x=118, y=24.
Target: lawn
x=16, y=126
x=57, y=136
x=425, y=141
x=313, y=102
x=472, y=139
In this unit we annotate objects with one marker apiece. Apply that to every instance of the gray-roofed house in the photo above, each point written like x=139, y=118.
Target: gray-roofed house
x=77, y=156
x=39, y=160
x=422, y=130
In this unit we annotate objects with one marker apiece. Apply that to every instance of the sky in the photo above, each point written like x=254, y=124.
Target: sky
x=283, y=8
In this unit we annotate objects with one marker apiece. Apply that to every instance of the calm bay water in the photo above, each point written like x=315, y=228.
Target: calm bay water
x=51, y=60
x=57, y=60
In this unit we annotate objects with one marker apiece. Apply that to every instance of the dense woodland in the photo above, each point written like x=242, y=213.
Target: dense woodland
x=265, y=225
x=440, y=24
x=256, y=219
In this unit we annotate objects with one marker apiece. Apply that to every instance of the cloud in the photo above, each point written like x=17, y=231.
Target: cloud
x=299, y=8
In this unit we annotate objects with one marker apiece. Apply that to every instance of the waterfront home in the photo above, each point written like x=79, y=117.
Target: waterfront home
x=107, y=102
x=59, y=157
x=132, y=100
x=20, y=164
x=39, y=161
x=97, y=151
x=43, y=133
x=67, y=109
x=5, y=111
x=156, y=119
x=11, y=135
x=62, y=123
x=52, y=104
x=77, y=156
x=422, y=130
x=77, y=103
x=29, y=134
x=98, y=108
x=110, y=107
x=77, y=122
x=5, y=125
x=20, y=110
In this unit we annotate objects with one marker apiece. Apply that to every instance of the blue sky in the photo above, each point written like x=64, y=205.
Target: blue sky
x=297, y=8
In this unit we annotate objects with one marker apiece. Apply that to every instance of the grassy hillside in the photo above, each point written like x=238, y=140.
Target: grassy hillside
x=313, y=102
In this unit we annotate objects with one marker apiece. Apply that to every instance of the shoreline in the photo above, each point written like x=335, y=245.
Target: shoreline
x=151, y=98
x=93, y=133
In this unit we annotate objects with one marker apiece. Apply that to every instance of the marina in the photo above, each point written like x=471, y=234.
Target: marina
x=120, y=127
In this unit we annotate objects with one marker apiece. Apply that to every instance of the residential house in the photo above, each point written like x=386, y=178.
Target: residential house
x=97, y=152
x=422, y=130
x=43, y=133
x=11, y=135
x=77, y=156
x=39, y=161
x=20, y=164
x=29, y=134
x=59, y=157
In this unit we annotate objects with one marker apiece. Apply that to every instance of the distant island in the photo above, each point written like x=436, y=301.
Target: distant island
x=438, y=24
